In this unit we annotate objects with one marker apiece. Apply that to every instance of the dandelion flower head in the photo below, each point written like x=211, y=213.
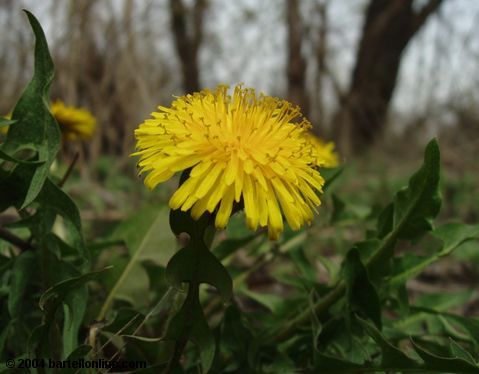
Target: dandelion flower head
x=240, y=147
x=75, y=123
x=325, y=155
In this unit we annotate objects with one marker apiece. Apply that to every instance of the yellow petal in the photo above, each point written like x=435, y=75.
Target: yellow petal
x=250, y=206
x=209, y=180
x=200, y=206
x=182, y=193
x=275, y=220
x=200, y=169
x=239, y=184
x=185, y=163
x=231, y=169
x=262, y=207
x=216, y=195
x=226, y=206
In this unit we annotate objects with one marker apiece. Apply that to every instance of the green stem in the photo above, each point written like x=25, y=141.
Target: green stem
x=191, y=298
x=69, y=170
x=191, y=303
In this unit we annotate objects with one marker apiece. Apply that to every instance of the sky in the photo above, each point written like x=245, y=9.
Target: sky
x=246, y=42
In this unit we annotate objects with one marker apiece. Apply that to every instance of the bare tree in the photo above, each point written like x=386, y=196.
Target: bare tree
x=320, y=54
x=297, y=92
x=188, y=39
x=388, y=28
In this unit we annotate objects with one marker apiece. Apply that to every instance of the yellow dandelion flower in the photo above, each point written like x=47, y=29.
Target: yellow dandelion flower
x=325, y=155
x=75, y=123
x=240, y=148
x=4, y=129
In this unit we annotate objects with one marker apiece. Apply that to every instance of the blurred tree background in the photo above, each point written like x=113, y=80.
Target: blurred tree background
x=379, y=77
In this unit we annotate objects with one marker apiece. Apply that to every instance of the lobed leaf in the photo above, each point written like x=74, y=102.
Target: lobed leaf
x=452, y=236
x=433, y=362
x=22, y=269
x=190, y=324
x=196, y=264
x=417, y=205
x=360, y=293
x=35, y=124
x=391, y=357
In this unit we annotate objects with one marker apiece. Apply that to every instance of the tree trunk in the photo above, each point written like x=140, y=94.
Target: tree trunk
x=387, y=30
x=297, y=93
x=188, y=43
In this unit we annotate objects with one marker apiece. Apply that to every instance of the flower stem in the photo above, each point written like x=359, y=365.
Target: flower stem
x=191, y=298
x=69, y=170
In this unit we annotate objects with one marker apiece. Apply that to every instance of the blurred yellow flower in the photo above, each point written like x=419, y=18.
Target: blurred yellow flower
x=325, y=155
x=75, y=123
x=242, y=147
x=4, y=129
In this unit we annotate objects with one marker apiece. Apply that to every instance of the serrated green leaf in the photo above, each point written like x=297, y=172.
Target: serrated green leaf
x=51, y=301
x=458, y=351
x=452, y=235
x=74, y=307
x=469, y=325
x=13, y=186
x=391, y=357
x=22, y=269
x=7, y=157
x=197, y=264
x=410, y=216
x=235, y=335
x=190, y=324
x=360, y=293
x=35, y=124
x=434, y=362
x=52, y=197
x=416, y=206
x=385, y=221
x=194, y=265
x=58, y=292
x=303, y=263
